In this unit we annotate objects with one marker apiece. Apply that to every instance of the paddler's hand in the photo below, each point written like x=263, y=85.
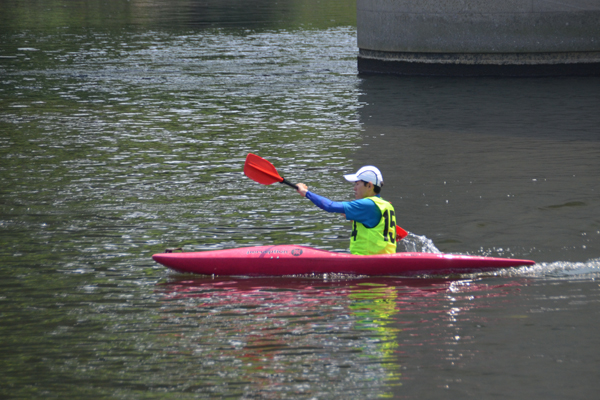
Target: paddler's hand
x=302, y=189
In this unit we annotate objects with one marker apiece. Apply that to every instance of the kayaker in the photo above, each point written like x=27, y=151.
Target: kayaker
x=374, y=219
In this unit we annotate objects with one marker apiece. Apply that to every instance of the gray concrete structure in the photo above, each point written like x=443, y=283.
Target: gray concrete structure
x=479, y=37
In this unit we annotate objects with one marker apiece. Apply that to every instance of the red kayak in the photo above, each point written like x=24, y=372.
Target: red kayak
x=278, y=260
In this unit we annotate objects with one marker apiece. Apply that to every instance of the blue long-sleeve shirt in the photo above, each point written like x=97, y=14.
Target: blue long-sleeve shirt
x=364, y=211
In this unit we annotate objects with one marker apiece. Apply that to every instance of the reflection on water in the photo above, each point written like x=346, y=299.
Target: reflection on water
x=374, y=337
x=307, y=336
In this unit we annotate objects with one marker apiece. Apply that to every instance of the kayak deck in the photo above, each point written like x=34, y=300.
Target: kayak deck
x=280, y=260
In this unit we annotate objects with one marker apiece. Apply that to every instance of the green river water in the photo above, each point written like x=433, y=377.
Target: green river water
x=124, y=126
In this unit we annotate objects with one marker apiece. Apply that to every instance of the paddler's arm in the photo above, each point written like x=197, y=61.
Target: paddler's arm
x=364, y=211
x=320, y=201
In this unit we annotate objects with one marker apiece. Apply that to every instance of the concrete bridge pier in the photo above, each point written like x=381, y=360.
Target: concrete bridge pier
x=479, y=37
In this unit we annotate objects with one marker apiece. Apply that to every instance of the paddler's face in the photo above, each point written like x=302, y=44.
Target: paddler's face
x=362, y=189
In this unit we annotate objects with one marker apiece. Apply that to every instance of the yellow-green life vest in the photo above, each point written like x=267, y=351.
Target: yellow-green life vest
x=378, y=240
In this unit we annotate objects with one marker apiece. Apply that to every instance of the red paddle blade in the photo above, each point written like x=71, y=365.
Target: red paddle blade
x=260, y=170
x=400, y=233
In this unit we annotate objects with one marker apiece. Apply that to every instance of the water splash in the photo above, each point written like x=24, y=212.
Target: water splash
x=555, y=270
x=564, y=269
x=420, y=244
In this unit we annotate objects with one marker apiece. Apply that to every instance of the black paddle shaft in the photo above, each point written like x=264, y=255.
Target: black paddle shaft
x=289, y=183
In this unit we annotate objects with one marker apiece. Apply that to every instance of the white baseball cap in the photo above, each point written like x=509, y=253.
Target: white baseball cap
x=368, y=173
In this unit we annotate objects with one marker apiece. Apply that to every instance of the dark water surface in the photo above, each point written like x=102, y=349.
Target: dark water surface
x=123, y=131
